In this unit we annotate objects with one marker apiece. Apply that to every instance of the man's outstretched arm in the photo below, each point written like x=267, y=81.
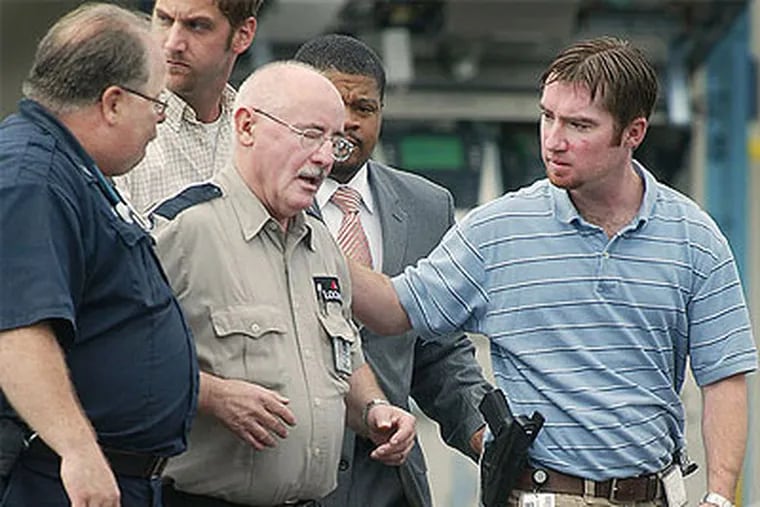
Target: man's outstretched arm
x=375, y=302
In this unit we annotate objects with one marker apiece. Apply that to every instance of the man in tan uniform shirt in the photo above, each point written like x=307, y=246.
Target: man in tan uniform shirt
x=267, y=294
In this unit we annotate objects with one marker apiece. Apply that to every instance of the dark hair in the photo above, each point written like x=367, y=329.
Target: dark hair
x=86, y=51
x=345, y=54
x=612, y=68
x=237, y=11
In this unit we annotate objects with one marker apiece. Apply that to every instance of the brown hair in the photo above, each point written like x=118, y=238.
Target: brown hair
x=237, y=11
x=613, y=69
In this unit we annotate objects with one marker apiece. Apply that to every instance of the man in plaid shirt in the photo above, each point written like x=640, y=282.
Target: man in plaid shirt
x=201, y=40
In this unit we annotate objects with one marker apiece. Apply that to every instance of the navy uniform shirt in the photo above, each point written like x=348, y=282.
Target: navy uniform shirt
x=67, y=257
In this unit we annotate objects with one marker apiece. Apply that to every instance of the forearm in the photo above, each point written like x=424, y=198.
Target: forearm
x=724, y=431
x=209, y=391
x=35, y=380
x=448, y=385
x=364, y=388
x=375, y=302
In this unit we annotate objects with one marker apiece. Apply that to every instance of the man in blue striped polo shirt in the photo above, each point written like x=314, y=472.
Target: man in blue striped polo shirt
x=594, y=285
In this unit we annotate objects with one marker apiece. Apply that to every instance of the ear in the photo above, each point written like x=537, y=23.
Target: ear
x=634, y=134
x=245, y=124
x=244, y=35
x=112, y=104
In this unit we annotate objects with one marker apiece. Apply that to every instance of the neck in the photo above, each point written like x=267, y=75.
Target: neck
x=284, y=223
x=250, y=177
x=92, y=135
x=611, y=206
x=206, y=103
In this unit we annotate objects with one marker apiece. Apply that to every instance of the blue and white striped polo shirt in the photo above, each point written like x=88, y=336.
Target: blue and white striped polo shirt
x=590, y=331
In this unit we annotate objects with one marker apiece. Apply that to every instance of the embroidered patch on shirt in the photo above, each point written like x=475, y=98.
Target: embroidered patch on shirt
x=328, y=289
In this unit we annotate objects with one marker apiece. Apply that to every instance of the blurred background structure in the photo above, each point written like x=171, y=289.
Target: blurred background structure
x=461, y=108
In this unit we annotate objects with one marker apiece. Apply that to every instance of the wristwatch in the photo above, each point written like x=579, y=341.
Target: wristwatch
x=716, y=499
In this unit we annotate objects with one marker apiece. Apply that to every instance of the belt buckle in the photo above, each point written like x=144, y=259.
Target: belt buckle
x=156, y=467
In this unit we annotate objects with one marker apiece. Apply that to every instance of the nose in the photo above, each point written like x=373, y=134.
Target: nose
x=173, y=38
x=352, y=119
x=324, y=154
x=554, y=137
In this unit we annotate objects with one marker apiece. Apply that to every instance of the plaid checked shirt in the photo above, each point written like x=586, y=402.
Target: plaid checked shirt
x=184, y=152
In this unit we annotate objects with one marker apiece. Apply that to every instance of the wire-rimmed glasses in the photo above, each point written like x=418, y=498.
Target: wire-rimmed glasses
x=313, y=139
x=159, y=106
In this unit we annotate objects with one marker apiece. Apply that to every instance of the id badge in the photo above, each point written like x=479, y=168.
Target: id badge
x=673, y=484
x=342, y=355
x=537, y=500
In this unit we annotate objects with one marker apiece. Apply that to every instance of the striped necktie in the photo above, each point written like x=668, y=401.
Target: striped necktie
x=351, y=237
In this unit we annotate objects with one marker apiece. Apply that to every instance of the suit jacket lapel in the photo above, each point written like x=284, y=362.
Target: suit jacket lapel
x=393, y=219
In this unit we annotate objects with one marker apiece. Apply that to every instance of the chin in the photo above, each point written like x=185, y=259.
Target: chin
x=556, y=180
x=563, y=183
x=119, y=171
x=179, y=84
x=344, y=171
x=303, y=202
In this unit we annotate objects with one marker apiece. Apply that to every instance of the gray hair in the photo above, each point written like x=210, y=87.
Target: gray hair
x=89, y=49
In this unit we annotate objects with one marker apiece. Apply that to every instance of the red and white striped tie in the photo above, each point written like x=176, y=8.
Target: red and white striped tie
x=351, y=237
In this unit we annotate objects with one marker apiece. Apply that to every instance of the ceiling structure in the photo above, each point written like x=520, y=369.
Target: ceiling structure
x=451, y=58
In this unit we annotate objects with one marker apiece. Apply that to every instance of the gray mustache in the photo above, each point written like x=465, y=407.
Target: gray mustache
x=312, y=172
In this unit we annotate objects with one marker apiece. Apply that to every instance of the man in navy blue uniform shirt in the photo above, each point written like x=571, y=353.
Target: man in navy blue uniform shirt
x=95, y=356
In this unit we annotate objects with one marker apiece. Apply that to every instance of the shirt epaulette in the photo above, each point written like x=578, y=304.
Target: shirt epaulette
x=189, y=197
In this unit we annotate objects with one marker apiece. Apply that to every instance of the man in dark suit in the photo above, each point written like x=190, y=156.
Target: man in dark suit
x=403, y=216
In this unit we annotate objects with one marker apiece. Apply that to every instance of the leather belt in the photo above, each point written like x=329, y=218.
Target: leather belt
x=645, y=488
x=130, y=464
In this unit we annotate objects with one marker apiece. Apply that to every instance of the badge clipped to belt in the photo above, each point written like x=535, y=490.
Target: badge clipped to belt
x=537, y=500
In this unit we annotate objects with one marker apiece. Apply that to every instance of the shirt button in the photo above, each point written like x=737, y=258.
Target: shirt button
x=307, y=353
x=606, y=255
x=343, y=465
x=317, y=451
x=317, y=402
x=255, y=328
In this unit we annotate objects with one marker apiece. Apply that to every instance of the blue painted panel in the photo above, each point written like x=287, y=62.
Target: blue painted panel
x=731, y=82
x=730, y=104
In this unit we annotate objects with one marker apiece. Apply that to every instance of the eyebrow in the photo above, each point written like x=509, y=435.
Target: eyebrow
x=190, y=18
x=311, y=126
x=576, y=118
x=321, y=128
x=364, y=100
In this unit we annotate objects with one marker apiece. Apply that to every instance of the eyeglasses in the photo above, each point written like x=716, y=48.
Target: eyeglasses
x=313, y=139
x=159, y=106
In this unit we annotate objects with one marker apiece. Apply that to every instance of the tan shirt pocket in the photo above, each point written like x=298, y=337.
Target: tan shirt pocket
x=251, y=344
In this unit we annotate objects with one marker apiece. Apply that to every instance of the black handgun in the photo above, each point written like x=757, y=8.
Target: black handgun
x=506, y=456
